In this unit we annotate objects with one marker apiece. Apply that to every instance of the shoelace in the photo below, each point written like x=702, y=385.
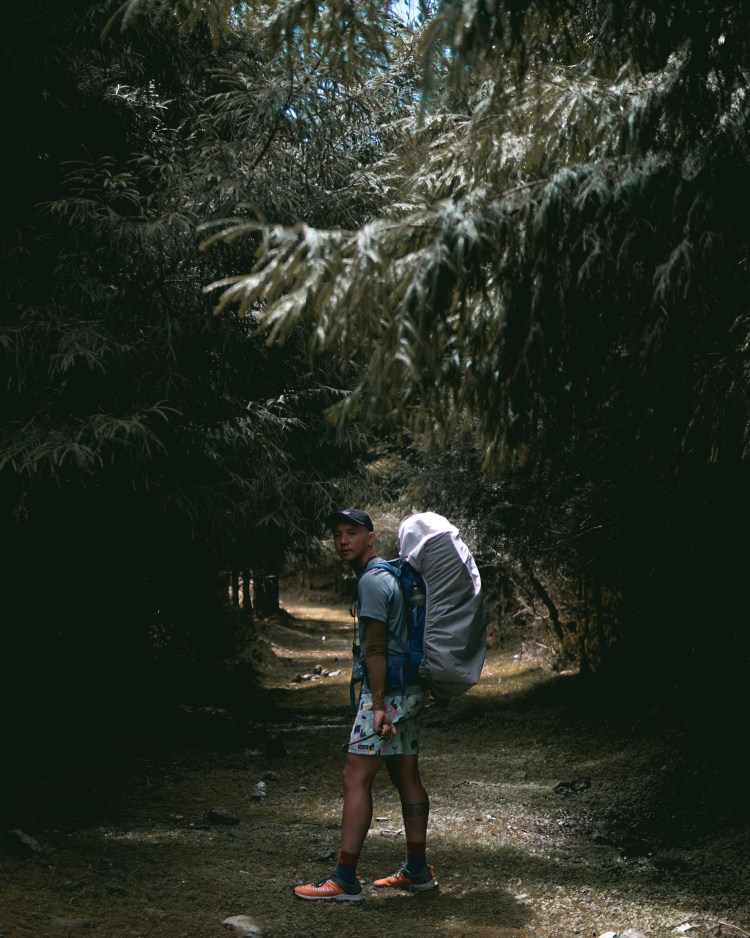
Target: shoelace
x=412, y=877
x=332, y=879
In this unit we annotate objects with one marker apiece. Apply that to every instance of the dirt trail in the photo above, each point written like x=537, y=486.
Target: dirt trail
x=549, y=817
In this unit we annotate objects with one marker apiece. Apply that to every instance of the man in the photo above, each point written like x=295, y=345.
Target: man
x=386, y=727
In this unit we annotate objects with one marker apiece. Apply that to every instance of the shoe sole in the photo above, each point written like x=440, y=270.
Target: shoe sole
x=425, y=887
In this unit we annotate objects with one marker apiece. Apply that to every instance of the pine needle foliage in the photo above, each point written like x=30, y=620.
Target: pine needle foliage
x=114, y=351
x=537, y=244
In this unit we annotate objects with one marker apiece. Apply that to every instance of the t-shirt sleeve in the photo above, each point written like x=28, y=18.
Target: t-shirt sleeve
x=375, y=592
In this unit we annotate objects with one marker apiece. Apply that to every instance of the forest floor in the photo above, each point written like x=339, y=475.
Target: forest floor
x=549, y=817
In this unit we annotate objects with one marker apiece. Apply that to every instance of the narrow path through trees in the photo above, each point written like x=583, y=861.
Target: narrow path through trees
x=551, y=815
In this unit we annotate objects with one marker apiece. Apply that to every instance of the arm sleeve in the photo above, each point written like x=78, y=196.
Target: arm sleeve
x=376, y=640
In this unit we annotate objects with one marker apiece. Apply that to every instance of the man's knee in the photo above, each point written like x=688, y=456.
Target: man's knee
x=359, y=771
x=403, y=770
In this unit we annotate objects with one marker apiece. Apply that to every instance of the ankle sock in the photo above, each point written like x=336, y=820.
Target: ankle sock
x=346, y=867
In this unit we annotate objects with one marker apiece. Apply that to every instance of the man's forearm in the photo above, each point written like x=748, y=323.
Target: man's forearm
x=375, y=651
x=376, y=679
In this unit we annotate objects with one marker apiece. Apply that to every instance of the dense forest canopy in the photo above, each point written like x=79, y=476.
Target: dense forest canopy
x=503, y=243
x=560, y=277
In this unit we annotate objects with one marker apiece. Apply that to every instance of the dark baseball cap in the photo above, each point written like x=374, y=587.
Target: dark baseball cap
x=350, y=514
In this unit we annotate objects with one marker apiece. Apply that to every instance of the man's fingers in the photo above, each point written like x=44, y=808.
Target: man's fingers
x=383, y=725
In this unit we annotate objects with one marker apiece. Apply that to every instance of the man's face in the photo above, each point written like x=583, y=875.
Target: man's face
x=353, y=542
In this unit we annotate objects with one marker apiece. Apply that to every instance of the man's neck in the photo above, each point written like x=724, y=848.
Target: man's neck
x=358, y=566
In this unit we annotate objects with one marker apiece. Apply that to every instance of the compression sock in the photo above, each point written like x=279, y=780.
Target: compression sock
x=415, y=827
x=416, y=860
x=346, y=868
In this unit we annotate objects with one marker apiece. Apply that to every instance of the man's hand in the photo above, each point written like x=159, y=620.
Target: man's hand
x=382, y=724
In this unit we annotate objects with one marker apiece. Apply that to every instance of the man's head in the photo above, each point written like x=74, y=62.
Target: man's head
x=353, y=536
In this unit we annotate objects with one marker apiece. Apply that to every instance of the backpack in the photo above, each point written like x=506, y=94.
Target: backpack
x=454, y=643
x=443, y=595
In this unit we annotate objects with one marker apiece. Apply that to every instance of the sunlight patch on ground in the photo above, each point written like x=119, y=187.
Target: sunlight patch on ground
x=301, y=606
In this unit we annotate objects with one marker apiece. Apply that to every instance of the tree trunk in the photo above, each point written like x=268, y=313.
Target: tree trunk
x=266, y=595
x=246, y=587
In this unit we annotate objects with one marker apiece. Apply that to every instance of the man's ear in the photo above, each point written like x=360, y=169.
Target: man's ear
x=370, y=538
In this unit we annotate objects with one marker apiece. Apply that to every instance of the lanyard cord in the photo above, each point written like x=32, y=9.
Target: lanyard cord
x=356, y=647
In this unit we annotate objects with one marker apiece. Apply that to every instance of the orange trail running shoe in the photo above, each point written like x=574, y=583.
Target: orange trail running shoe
x=331, y=888
x=401, y=879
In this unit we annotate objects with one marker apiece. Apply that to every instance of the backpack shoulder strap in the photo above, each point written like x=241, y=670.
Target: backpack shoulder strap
x=388, y=565
x=391, y=568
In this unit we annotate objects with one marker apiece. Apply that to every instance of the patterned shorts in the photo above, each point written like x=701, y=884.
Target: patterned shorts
x=404, y=710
